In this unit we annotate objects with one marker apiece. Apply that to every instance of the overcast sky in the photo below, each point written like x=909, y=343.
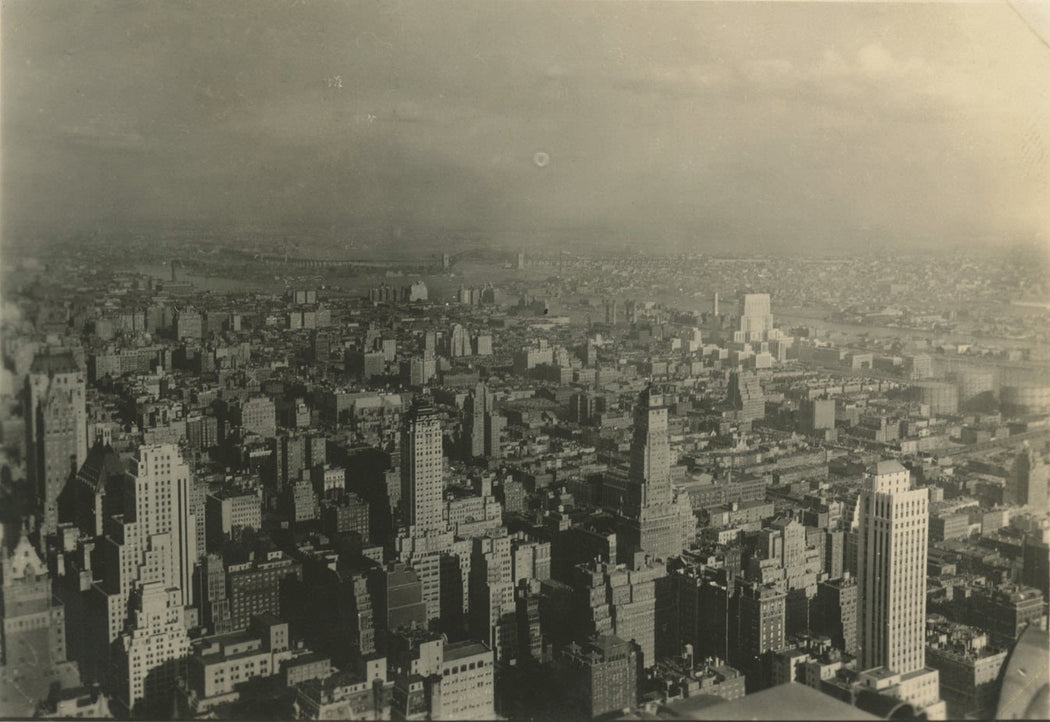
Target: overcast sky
x=687, y=125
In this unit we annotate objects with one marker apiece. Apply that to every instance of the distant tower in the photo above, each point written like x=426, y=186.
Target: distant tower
x=459, y=342
x=478, y=406
x=56, y=429
x=521, y=260
x=756, y=321
x=891, y=560
x=446, y=261
x=716, y=304
x=650, y=461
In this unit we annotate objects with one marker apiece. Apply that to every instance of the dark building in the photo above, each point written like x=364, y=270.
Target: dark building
x=56, y=430
x=650, y=522
x=289, y=460
x=530, y=625
x=599, y=676
x=1029, y=481
x=816, y=415
x=212, y=595
x=1035, y=570
x=97, y=490
x=761, y=628
x=834, y=554
x=397, y=597
x=835, y=613
x=255, y=587
x=202, y=432
x=348, y=512
x=1004, y=612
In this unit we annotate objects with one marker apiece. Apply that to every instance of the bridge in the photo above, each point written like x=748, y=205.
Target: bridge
x=429, y=261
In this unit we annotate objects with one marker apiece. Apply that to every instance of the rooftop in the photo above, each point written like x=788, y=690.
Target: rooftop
x=791, y=701
x=459, y=650
x=888, y=466
x=54, y=363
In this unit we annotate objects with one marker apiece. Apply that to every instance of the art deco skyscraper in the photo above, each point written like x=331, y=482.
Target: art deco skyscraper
x=652, y=520
x=422, y=472
x=891, y=559
x=160, y=505
x=756, y=321
x=650, y=457
x=56, y=429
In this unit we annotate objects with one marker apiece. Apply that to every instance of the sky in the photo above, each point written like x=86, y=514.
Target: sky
x=686, y=126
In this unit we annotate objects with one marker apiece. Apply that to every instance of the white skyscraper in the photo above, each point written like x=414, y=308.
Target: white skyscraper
x=422, y=471
x=148, y=654
x=891, y=559
x=756, y=321
x=162, y=506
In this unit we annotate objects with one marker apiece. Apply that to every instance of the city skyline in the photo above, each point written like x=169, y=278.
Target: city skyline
x=524, y=360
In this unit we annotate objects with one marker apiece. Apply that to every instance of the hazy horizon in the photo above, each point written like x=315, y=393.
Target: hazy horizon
x=696, y=126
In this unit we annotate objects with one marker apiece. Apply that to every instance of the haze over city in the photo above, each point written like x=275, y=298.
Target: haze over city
x=686, y=126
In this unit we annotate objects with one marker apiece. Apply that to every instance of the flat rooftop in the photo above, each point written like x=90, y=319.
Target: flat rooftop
x=459, y=650
x=791, y=701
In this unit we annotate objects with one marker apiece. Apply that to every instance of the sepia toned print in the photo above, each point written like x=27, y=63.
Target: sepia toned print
x=515, y=360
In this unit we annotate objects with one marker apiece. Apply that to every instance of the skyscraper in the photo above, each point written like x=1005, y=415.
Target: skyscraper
x=459, y=342
x=650, y=456
x=148, y=654
x=478, y=408
x=56, y=429
x=154, y=540
x=33, y=636
x=161, y=505
x=652, y=521
x=1029, y=481
x=422, y=473
x=756, y=321
x=891, y=559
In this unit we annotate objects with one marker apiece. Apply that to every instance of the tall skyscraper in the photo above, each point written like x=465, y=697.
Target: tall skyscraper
x=56, y=430
x=478, y=408
x=161, y=505
x=154, y=540
x=650, y=457
x=147, y=656
x=651, y=520
x=422, y=472
x=891, y=559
